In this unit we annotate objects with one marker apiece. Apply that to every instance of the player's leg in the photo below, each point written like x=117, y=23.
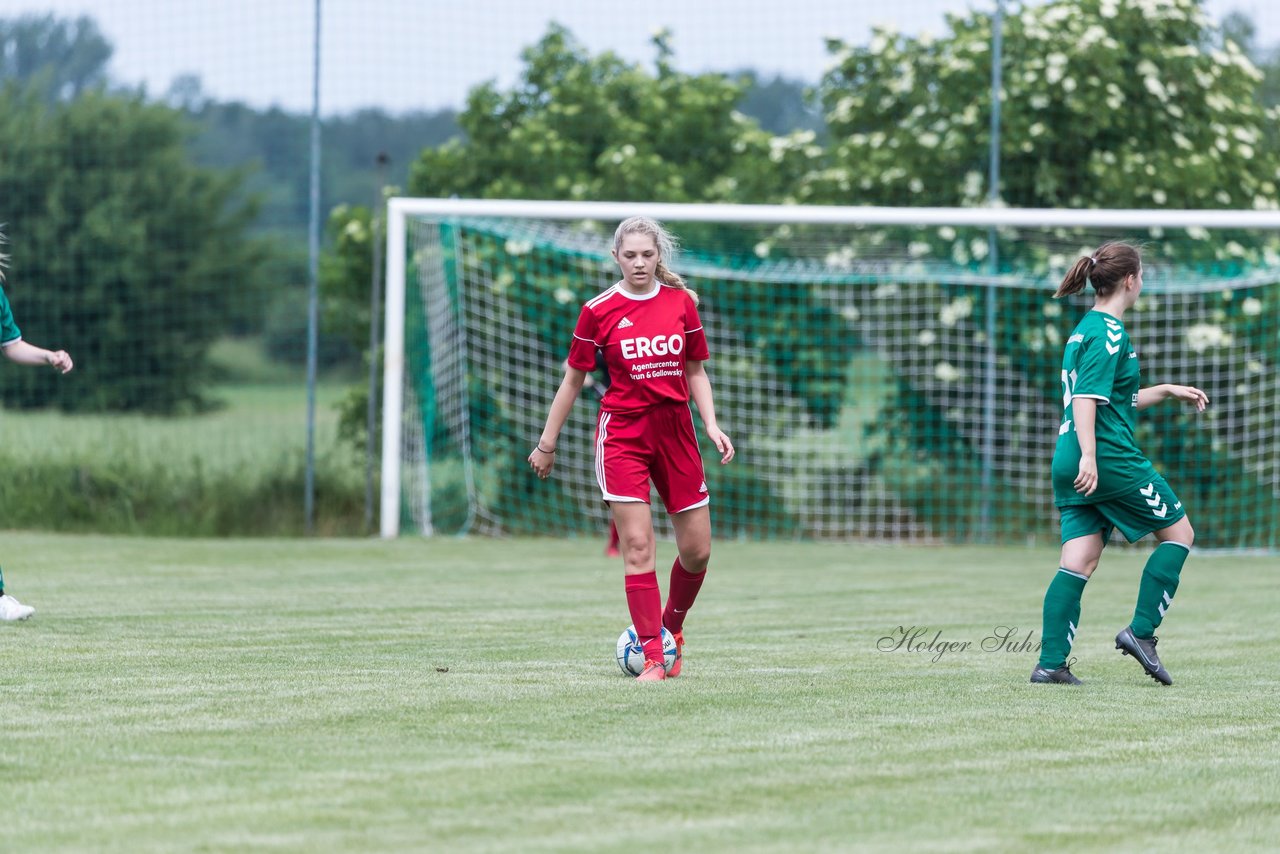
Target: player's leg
x=1160, y=576
x=1139, y=514
x=10, y=608
x=678, y=477
x=1084, y=535
x=622, y=471
x=693, y=546
x=644, y=599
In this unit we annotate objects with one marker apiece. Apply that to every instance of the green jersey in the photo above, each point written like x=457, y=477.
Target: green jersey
x=9, y=331
x=1099, y=362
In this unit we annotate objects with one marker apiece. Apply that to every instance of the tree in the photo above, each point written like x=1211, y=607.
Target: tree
x=58, y=58
x=1241, y=29
x=596, y=127
x=1106, y=104
x=780, y=105
x=123, y=252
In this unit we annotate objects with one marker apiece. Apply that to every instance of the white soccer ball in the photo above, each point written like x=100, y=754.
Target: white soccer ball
x=631, y=653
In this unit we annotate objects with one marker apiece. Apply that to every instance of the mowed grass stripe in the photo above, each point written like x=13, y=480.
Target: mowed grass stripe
x=349, y=695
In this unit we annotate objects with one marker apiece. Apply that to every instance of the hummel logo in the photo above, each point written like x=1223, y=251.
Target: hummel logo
x=1113, y=348
x=1149, y=489
x=1114, y=336
x=1178, y=506
x=625, y=323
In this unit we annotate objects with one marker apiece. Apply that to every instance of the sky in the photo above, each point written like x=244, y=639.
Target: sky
x=406, y=55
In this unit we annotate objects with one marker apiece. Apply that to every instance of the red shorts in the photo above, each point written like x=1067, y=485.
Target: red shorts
x=658, y=443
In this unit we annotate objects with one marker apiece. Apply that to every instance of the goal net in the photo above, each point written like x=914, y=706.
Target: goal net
x=885, y=374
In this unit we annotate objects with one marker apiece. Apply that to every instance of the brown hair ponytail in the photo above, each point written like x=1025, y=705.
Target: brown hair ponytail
x=1105, y=269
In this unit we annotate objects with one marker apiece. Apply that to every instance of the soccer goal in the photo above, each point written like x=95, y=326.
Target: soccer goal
x=887, y=374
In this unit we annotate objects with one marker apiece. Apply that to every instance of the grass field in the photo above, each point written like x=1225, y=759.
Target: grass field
x=237, y=470
x=461, y=695
x=255, y=426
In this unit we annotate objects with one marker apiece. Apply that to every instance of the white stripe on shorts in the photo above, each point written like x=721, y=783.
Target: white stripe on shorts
x=601, y=434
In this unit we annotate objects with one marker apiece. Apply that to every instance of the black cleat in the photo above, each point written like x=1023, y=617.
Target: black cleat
x=1143, y=649
x=1061, y=676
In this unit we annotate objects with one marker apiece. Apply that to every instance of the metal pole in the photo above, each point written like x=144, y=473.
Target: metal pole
x=993, y=263
x=375, y=331
x=313, y=282
x=393, y=370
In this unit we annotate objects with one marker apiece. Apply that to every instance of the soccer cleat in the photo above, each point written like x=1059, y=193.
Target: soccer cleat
x=675, y=668
x=611, y=550
x=12, y=609
x=1143, y=649
x=1061, y=676
x=653, y=672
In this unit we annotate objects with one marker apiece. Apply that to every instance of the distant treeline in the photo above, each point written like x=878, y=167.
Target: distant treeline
x=276, y=144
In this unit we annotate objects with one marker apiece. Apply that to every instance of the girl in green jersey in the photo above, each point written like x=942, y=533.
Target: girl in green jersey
x=24, y=353
x=1101, y=480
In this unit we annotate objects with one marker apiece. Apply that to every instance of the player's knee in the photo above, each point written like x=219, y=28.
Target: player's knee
x=1190, y=534
x=1081, y=564
x=695, y=559
x=1085, y=566
x=637, y=551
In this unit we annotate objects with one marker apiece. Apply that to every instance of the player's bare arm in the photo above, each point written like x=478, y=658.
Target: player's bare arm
x=700, y=392
x=29, y=354
x=543, y=456
x=1086, y=412
x=1159, y=393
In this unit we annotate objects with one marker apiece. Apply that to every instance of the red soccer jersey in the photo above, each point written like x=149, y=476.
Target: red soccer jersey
x=645, y=340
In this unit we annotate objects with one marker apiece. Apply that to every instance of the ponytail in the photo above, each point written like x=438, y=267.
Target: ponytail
x=1075, y=280
x=1105, y=269
x=672, y=280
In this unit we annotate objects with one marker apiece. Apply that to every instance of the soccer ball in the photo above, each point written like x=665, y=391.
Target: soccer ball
x=631, y=653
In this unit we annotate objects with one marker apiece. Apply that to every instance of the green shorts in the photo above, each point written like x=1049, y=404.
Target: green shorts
x=1136, y=513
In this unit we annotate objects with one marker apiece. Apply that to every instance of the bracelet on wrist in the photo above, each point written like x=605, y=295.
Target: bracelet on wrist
x=544, y=450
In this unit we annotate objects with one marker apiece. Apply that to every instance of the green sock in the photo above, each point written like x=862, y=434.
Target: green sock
x=1061, y=616
x=1159, y=583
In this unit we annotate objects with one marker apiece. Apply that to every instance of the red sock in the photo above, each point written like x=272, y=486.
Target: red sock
x=684, y=589
x=644, y=600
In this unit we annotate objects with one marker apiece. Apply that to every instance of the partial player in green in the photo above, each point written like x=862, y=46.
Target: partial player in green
x=23, y=353
x=1101, y=480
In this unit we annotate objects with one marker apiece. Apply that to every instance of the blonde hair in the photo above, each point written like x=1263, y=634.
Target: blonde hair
x=666, y=244
x=1105, y=269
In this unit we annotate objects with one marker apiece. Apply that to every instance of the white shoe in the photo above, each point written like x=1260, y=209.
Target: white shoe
x=12, y=609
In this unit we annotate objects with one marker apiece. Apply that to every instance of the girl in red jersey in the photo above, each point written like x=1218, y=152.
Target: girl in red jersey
x=648, y=329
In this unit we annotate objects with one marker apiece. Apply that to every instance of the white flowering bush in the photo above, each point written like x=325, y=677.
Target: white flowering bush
x=1140, y=104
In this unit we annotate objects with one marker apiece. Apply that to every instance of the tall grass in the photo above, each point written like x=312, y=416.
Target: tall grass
x=238, y=470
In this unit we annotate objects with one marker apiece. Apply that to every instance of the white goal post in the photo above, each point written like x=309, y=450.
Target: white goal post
x=401, y=211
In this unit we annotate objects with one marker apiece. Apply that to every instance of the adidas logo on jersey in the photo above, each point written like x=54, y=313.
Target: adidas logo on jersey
x=703, y=488
x=625, y=323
